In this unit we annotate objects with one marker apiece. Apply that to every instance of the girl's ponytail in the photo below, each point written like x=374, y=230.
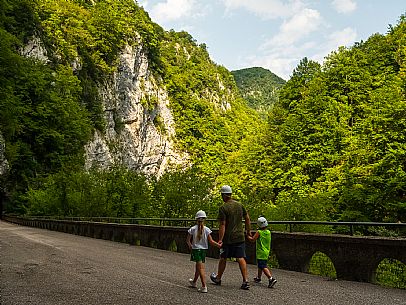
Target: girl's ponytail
x=200, y=224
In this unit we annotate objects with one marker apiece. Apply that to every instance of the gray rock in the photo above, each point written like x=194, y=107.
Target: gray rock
x=3, y=162
x=140, y=127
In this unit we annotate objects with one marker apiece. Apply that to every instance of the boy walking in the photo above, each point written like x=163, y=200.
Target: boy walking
x=263, y=247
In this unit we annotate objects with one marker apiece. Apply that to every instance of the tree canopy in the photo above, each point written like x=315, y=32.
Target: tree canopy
x=335, y=144
x=331, y=147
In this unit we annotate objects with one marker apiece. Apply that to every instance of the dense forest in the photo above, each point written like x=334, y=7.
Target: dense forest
x=332, y=146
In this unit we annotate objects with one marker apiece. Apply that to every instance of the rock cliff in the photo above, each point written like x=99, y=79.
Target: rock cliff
x=140, y=127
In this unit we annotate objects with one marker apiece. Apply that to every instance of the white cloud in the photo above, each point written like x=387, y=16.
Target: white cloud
x=282, y=59
x=299, y=26
x=266, y=9
x=344, y=6
x=172, y=10
x=345, y=37
x=283, y=51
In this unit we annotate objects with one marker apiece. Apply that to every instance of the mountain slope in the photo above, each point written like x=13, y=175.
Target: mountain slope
x=258, y=86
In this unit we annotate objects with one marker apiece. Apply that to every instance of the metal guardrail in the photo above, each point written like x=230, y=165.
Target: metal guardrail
x=186, y=222
x=350, y=224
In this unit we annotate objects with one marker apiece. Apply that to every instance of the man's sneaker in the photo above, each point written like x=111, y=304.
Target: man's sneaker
x=203, y=289
x=257, y=280
x=214, y=279
x=245, y=285
x=272, y=282
x=192, y=284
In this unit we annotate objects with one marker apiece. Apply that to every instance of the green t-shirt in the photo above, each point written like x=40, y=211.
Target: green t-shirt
x=233, y=212
x=263, y=244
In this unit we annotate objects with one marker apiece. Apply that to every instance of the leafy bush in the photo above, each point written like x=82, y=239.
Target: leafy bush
x=391, y=273
x=119, y=192
x=321, y=264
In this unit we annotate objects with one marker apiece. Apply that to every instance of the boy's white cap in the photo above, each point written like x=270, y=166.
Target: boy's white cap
x=200, y=214
x=262, y=222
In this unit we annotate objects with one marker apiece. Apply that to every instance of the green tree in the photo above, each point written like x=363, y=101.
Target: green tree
x=180, y=194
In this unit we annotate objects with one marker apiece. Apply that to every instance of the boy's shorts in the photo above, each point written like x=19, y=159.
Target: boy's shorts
x=262, y=263
x=233, y=250
x=198, y=255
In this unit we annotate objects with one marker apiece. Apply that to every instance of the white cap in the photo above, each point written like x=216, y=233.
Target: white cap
x=262, y=222
x=226, y=189
x=200, y=214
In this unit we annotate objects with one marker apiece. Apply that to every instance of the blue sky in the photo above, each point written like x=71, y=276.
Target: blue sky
x=275, y=34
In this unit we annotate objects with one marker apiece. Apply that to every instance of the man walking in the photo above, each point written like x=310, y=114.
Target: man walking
x=231, y=236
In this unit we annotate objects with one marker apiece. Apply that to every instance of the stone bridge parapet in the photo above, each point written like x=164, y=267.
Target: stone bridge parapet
x=354, y=258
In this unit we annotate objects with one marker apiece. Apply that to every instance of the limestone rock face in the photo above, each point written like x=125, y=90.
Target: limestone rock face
x=139, y=124
x=3, y=162
x=140, y=127
x=35, y=49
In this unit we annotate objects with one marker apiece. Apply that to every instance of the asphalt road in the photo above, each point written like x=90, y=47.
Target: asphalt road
x=46, y=267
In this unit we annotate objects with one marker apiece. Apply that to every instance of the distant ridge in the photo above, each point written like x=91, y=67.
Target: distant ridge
x=258, y=86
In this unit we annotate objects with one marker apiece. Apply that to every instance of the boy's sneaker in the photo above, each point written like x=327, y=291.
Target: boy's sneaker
x=214, y=279
x=272, y=282
x=192, y=284
x=257, y=280
x=203, y=289
x=245, y=286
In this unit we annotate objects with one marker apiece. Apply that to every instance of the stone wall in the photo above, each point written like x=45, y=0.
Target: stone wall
x=354, y=258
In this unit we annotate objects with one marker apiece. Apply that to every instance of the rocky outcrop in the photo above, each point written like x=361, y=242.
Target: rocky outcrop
x=35, y=49
x=140, y=127
x=3, y=162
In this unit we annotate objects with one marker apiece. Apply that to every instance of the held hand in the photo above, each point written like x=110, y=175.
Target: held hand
x=220, y=243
